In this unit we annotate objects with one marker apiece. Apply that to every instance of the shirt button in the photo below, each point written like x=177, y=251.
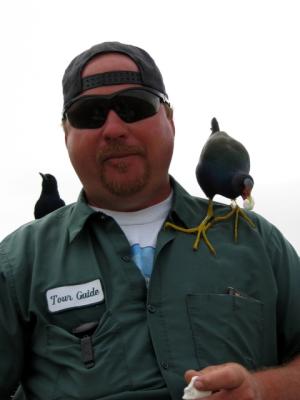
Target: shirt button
x=164, y=364
x=126, y=258
x=151, y=308
x=101, y=216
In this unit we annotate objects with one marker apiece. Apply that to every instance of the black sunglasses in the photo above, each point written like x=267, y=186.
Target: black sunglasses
x=131, y=105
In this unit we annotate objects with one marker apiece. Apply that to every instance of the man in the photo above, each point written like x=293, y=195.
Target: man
x=99, y=301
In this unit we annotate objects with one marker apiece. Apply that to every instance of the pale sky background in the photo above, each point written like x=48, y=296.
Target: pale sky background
x=235, y=60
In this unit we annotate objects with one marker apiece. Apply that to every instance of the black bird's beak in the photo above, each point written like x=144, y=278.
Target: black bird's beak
x=42, y=175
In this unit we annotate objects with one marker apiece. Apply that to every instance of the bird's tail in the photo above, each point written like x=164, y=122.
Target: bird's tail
x=214, y=126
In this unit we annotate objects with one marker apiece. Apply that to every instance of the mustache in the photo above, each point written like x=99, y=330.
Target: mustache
x=119, y=150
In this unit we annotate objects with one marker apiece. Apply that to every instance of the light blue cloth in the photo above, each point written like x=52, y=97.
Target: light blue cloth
x=143, y=257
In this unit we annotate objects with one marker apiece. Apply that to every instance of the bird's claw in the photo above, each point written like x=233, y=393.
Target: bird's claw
x=236, y=211
x=200, y=230
x=242, y=213
x=211, y=219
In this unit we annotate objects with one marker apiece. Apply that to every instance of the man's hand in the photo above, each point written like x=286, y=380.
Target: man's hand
x=229, y=381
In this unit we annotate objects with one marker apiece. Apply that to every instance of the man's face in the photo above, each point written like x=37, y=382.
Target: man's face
x=122, y=165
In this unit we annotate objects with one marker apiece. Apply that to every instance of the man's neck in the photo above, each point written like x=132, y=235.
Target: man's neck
x=129, y=203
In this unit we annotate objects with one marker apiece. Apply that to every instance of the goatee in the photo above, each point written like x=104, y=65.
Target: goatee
x=121, y=185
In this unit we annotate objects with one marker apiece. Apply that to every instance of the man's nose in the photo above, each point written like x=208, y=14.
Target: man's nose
x=114, y=127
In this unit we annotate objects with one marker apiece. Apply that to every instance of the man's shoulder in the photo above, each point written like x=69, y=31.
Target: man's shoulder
x=184, y=198
x=193, y=204
x=190, y=206
x=55, y=222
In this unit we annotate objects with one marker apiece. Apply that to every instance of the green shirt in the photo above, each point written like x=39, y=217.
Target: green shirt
x=74, y=267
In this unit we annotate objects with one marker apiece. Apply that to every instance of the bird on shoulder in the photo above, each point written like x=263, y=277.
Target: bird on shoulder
x=223, y=169
x=49, y=199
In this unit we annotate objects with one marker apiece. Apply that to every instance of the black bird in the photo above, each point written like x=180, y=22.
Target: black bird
x=224, y=166
x=223, y=169
x=49, y=199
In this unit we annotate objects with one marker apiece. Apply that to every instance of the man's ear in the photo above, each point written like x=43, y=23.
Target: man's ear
x=65, y=128
x=172, y=123
x=170, y=113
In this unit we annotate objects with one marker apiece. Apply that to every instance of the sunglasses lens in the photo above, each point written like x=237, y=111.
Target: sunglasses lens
x=88, y=113
x=135, y=105
x=131, y=105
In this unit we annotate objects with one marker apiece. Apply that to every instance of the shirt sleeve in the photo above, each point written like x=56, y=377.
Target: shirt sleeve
x=286, y=264
x=11, y=333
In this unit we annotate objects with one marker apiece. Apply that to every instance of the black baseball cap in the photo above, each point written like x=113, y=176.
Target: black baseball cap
x=148, y=75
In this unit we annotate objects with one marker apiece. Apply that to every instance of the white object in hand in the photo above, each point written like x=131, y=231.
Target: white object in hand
x=191, y=393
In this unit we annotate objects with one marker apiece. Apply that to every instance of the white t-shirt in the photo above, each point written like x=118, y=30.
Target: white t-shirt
x=141, y=229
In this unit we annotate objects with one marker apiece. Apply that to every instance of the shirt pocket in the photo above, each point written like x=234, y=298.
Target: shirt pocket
x=109, y=373
x=226, y=328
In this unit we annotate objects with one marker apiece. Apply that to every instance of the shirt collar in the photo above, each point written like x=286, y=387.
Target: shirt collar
x=183, y=210
x=79, y=215
x=185, y=207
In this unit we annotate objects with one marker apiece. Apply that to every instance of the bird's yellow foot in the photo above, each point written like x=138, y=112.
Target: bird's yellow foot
x=200, y=230
x=236, y=212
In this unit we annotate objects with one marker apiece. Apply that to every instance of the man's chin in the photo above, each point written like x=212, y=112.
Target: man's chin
x=123, y=186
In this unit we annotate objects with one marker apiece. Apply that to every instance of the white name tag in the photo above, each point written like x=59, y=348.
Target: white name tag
x=64, y=297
